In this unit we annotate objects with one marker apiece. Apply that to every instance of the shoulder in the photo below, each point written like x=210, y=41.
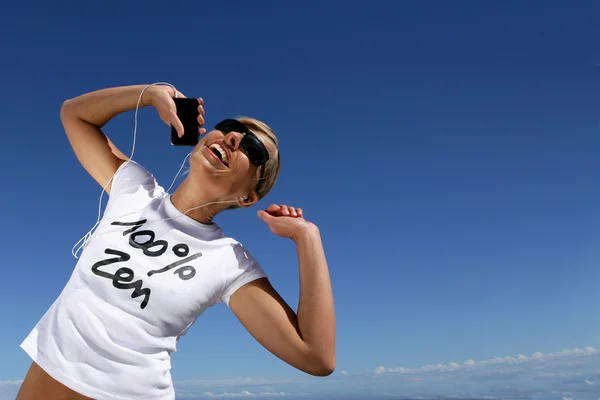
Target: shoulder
x=241, y=268
x=131, y=177
x=132, y=187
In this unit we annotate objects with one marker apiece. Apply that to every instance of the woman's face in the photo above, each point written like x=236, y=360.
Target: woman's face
x=219, y=160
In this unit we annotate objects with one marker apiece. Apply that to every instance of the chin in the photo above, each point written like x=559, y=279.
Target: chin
x=201, y=168
x=198, y=159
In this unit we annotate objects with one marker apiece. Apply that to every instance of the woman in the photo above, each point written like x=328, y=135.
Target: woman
x=157, y=261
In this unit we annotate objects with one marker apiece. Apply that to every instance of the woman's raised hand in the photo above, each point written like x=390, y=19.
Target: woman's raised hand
x=161, y=98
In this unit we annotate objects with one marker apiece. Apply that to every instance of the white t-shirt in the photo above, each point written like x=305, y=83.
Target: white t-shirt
x=138, y=286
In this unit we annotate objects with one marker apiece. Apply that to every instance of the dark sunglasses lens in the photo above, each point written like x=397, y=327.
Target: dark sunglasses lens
x=255, y=150
x=232, y=125
x=252, y=146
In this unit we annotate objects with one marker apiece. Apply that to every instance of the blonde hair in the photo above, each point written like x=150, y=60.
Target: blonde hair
x=270, y=171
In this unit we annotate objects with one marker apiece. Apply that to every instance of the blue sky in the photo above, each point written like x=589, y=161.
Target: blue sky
x=447, y=150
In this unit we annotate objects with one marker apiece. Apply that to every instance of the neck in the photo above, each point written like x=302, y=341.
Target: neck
x=189, y=196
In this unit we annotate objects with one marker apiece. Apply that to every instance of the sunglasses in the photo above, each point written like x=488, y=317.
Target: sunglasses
x=250, y=144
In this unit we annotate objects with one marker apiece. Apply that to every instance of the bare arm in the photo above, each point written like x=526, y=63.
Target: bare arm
x=305, y=340
x=84, y=116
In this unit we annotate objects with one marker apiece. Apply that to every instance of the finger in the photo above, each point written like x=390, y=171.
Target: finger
x=201, y=131
x=293, y=211
x=179, y=95
x=200, y=119
x=266, y=217
x=201, y=110
x=200, y=100
x=177, y=125
x=300, y=213
x=284, y=210
x=273, y=208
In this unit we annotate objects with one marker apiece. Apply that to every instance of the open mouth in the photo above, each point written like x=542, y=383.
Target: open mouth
x=220, y=153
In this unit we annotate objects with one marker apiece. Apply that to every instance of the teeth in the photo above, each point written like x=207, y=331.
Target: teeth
x=218, y=147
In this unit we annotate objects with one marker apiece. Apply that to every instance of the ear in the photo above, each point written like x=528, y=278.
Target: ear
x=247, y=200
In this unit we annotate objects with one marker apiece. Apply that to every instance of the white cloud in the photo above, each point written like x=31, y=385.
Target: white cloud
x=381, y=370
x=490, y=362
x=231, y=382
x=245, y=393
x=569, y=374
x=10, y=383
x=9, y=389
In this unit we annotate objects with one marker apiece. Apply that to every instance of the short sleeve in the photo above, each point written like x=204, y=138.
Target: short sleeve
x=242, y=268
x=132, y=187
x=132, y=177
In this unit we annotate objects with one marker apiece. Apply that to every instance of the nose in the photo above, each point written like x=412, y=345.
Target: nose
x=233, y=140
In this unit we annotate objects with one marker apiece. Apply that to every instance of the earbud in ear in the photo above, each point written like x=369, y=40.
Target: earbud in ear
x=244, y=198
